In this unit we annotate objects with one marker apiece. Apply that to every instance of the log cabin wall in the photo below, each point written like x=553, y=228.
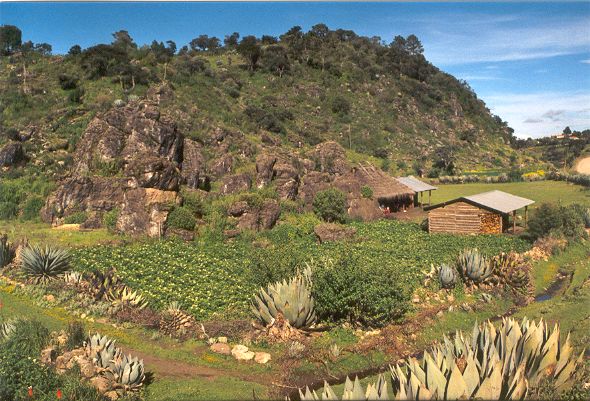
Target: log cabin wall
x=463, y=218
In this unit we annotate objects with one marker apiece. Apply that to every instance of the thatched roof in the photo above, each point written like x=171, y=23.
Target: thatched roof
x=384, y=186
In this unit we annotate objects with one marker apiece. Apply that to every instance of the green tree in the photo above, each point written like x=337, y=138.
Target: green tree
x=75, y=50
x=10, y=39
x=231, y=41
x=330, y=205
x=275, y=59
x=413, y=45
x=250, y=50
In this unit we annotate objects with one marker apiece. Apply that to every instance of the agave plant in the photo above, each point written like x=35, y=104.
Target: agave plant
x=128, y=373
x=292, y=299
x=6, y=329
x=44, y=264
x=491, y=364
x=473, y=266
x=101, y=283
x=511, y=270
x=73, y=278
x=102, y=351
x=123, y=295
x=6, y=251
x=587, y=218
x=447, y=276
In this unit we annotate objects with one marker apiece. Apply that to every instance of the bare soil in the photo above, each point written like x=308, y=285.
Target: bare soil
x=583, y=166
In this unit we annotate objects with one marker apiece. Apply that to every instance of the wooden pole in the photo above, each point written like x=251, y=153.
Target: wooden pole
x=429, y=193
x=526, y=215
x=514, y=222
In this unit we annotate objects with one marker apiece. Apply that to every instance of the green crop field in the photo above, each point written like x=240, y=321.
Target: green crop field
x=539, y=191
x=214, y=279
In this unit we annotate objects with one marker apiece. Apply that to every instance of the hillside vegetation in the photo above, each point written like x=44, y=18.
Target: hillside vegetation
x=378, y=100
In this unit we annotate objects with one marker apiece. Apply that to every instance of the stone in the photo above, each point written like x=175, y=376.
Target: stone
x=101, y=383
x=49, y=298
x=221, y=348
x=333, y=232
x=222, y=340
x=450, y=298
x=87, y=368
x=154, y=172
x=193, y=165
x=269, y=214
x=330, y=157
x=48, y=355
x=262, y=357
x=222, y=166
x=241, y=353
x=235, y=183
x=184, y=235
x=112, y=395
x=264, y=169
x=12, y=154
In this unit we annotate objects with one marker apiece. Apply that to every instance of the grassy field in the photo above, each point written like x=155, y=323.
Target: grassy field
x=38, y=232
x=539, y=191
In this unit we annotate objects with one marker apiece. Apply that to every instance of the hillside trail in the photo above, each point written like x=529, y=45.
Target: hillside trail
x=583, y=166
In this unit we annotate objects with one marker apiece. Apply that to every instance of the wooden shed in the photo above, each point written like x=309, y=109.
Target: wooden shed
x=485, y=213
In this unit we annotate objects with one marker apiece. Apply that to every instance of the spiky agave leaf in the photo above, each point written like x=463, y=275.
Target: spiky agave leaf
x=102, y=350
x=292, y=299
x=447, y=276
x=7, y=328
x=473, y=266
x=123, y=295
x=44, y=264
x=128, y=372
x=513, y=271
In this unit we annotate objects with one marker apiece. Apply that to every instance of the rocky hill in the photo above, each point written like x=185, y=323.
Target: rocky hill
x=117, y=122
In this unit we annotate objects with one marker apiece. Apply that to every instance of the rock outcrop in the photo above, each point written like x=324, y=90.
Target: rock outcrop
x=12, y=154
x=249, y=217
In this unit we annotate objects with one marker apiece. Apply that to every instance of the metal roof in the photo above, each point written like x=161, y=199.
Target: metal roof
x=415, y=184
x=497, y=201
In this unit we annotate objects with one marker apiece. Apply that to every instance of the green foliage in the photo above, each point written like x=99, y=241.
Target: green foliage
x=76, y=218
x=367, y=192
x=44, y=264
x=32, y=207
x=20, y=368
x=340, y=105
x=556, y=220
x=347, y=290
x=181, y=217
x=110, y=220
x=193, y=202
x=330, y=205
x=6, y=251
x=76, y=335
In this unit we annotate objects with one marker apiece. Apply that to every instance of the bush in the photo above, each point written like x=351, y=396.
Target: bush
x=193, y=202
x=76, y=218
x=76, y=335
x=68, y=82
x=75, y=96
x=181, y=217
x=32, y=208
x=330, y=205
x=345, y=290
x=8, y=210
x=340, y=105
x=367, y=192
x=110, y=220
x=556, y=220
x=19, y=369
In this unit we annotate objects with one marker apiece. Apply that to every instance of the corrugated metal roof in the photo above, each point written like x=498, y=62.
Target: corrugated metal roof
x=415, y=184
x=500, y=201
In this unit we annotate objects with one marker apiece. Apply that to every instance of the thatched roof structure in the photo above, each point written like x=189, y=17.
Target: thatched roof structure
x=384, y=186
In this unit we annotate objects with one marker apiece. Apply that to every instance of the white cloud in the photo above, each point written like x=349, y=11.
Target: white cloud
x=540, y=114
x=585, y=61
x=488, y=40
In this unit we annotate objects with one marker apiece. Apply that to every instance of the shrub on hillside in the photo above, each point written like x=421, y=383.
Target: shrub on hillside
x=32, y=208
x=181, y=217
x=556, y=220
x=8, y=210
x=67, y=82
x=110, y=220
x=345, y=290
x=340, y=105
x=193, y=202
x=367, y=192
x=330, y=205
x=76, y=218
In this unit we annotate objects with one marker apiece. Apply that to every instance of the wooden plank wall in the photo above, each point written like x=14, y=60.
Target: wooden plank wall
x=463, y=218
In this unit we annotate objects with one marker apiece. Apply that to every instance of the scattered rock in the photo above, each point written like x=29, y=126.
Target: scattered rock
x=450, y=298
x=48, y=355
x=12, y=154
x=101, y=383
x=440, y=313
x=262, y=357
x=49, y=298
x=333, y=232
x=241, y=353
x=222, y=340
x=222, y=348
x=235, y=183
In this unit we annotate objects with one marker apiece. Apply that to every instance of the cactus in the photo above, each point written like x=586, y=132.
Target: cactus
x=128, y=373
x=123, y=295
x=44, y=264
x=474, y=267
x=73, y=278
x=447, y=276
x=292, y=299
x=102, y=351
x=493, y=363
x=174, y=321
x=511, y=270
x=6, y=251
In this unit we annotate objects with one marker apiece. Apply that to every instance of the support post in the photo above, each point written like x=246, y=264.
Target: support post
x=526, y=216
x=429, y=193
x=514, y=222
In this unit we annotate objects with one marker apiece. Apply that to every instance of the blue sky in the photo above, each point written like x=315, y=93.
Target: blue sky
x=530, y=62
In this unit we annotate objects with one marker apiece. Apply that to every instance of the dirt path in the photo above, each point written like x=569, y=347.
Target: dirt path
x=583, y=166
